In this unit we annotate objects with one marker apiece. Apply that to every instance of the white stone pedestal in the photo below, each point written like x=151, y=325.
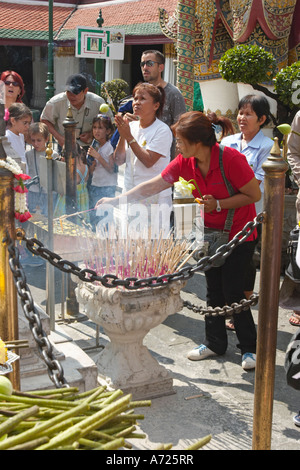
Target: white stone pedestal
x=126, y=317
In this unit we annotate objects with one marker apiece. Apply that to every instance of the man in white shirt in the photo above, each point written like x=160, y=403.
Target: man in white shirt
x=84, y=105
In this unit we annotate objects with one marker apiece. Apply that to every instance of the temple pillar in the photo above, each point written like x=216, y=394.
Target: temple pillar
x=186, y=50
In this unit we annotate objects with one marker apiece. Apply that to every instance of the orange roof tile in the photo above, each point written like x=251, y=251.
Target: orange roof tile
x=133, y=12
x=30, y=22
x=31, y=17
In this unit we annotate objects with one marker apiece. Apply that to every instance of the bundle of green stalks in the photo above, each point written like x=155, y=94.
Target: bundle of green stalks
x=64, y=419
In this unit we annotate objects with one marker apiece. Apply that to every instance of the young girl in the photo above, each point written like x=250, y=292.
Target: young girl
x=104, y=177
x=20, y=118
x=39, y=136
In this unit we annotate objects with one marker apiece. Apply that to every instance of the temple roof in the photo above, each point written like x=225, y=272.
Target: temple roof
x=28, y=22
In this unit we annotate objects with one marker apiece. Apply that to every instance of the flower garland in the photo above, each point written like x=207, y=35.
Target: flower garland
x=21, y=210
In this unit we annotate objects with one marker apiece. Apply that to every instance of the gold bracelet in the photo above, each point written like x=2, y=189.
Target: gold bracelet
x=132, y=141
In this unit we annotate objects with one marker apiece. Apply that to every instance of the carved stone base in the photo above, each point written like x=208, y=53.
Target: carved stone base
x=126, y=316
x=133, y=369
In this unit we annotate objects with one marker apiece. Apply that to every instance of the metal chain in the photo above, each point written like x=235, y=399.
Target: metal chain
x=244, y=304
x=55, y=370
x=36, y=247
x=110, y=280
x=227, y=310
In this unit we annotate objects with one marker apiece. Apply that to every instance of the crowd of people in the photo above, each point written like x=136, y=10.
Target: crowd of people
x=158, y=141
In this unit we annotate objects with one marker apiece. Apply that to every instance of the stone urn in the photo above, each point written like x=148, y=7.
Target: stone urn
x=126, y=317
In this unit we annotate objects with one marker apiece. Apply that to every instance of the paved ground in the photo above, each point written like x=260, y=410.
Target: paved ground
x=214, y=396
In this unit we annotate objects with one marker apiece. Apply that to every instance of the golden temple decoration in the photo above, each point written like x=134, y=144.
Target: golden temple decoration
x=168, y=24
x=206, y=12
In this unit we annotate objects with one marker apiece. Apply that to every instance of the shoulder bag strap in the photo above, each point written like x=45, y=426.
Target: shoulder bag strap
x=230, y=214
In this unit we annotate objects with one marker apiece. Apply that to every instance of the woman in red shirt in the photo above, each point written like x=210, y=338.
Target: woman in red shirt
x=199, y=160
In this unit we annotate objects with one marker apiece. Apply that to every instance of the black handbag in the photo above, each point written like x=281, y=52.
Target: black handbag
x=292, y=361
x=289, y=295
x=293, y=270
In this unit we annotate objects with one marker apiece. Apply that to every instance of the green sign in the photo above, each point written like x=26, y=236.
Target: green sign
x=100, y=43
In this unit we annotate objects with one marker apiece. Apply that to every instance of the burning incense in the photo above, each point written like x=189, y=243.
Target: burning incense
x=140, y=258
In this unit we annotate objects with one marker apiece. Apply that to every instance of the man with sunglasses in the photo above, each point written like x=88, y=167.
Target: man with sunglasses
x=84, y=104
x=152, y=67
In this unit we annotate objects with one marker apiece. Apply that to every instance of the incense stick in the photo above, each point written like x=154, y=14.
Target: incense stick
x=139, y=258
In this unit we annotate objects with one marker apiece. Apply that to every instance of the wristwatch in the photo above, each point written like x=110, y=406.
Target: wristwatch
x=131, y=142
x=218, y=208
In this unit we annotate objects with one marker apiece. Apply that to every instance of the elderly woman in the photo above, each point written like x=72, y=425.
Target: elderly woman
x=14, y=87
x=199, y=160
x=253, y=115
x=145, y=145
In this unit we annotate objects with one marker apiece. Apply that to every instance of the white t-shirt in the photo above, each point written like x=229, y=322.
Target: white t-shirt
x=101, y=177
x=158, y=138
x=18, y=143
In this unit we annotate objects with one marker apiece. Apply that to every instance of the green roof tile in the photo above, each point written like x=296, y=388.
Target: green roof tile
x=137, y=29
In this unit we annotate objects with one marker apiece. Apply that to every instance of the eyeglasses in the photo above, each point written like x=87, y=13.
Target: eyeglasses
x=149, y=63
x=7, y=82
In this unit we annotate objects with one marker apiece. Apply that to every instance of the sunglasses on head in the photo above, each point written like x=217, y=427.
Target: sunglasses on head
x=149, y=63
x=7, y=82
x=103, y=116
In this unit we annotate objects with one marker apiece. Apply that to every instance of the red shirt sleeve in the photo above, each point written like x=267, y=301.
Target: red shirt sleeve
x=172, y=171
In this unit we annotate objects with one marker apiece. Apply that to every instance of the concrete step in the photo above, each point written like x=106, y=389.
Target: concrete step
x=79, y=369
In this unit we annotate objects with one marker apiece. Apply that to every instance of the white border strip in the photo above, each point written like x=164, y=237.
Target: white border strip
x=70, y=5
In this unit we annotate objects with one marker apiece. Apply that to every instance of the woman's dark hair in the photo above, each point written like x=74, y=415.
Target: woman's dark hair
x=156, y=92
x=196, y=126
x=259, y=104
x=17, y=78
x=81, y=153
x=106, y=121
x=18, y=111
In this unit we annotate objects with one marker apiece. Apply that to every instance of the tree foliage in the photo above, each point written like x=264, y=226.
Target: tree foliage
x=287, y=85
x=117, y=89
x=247, y=64
x=253, y=65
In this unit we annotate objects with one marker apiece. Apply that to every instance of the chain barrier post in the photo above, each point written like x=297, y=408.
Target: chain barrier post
x=275, y=168
x=49, y=268
x=9, y=327
x=70, y=159
x=69, y=124
x=99, y=63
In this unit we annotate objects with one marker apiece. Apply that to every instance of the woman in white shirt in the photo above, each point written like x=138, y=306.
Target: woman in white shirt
x=145, y=147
